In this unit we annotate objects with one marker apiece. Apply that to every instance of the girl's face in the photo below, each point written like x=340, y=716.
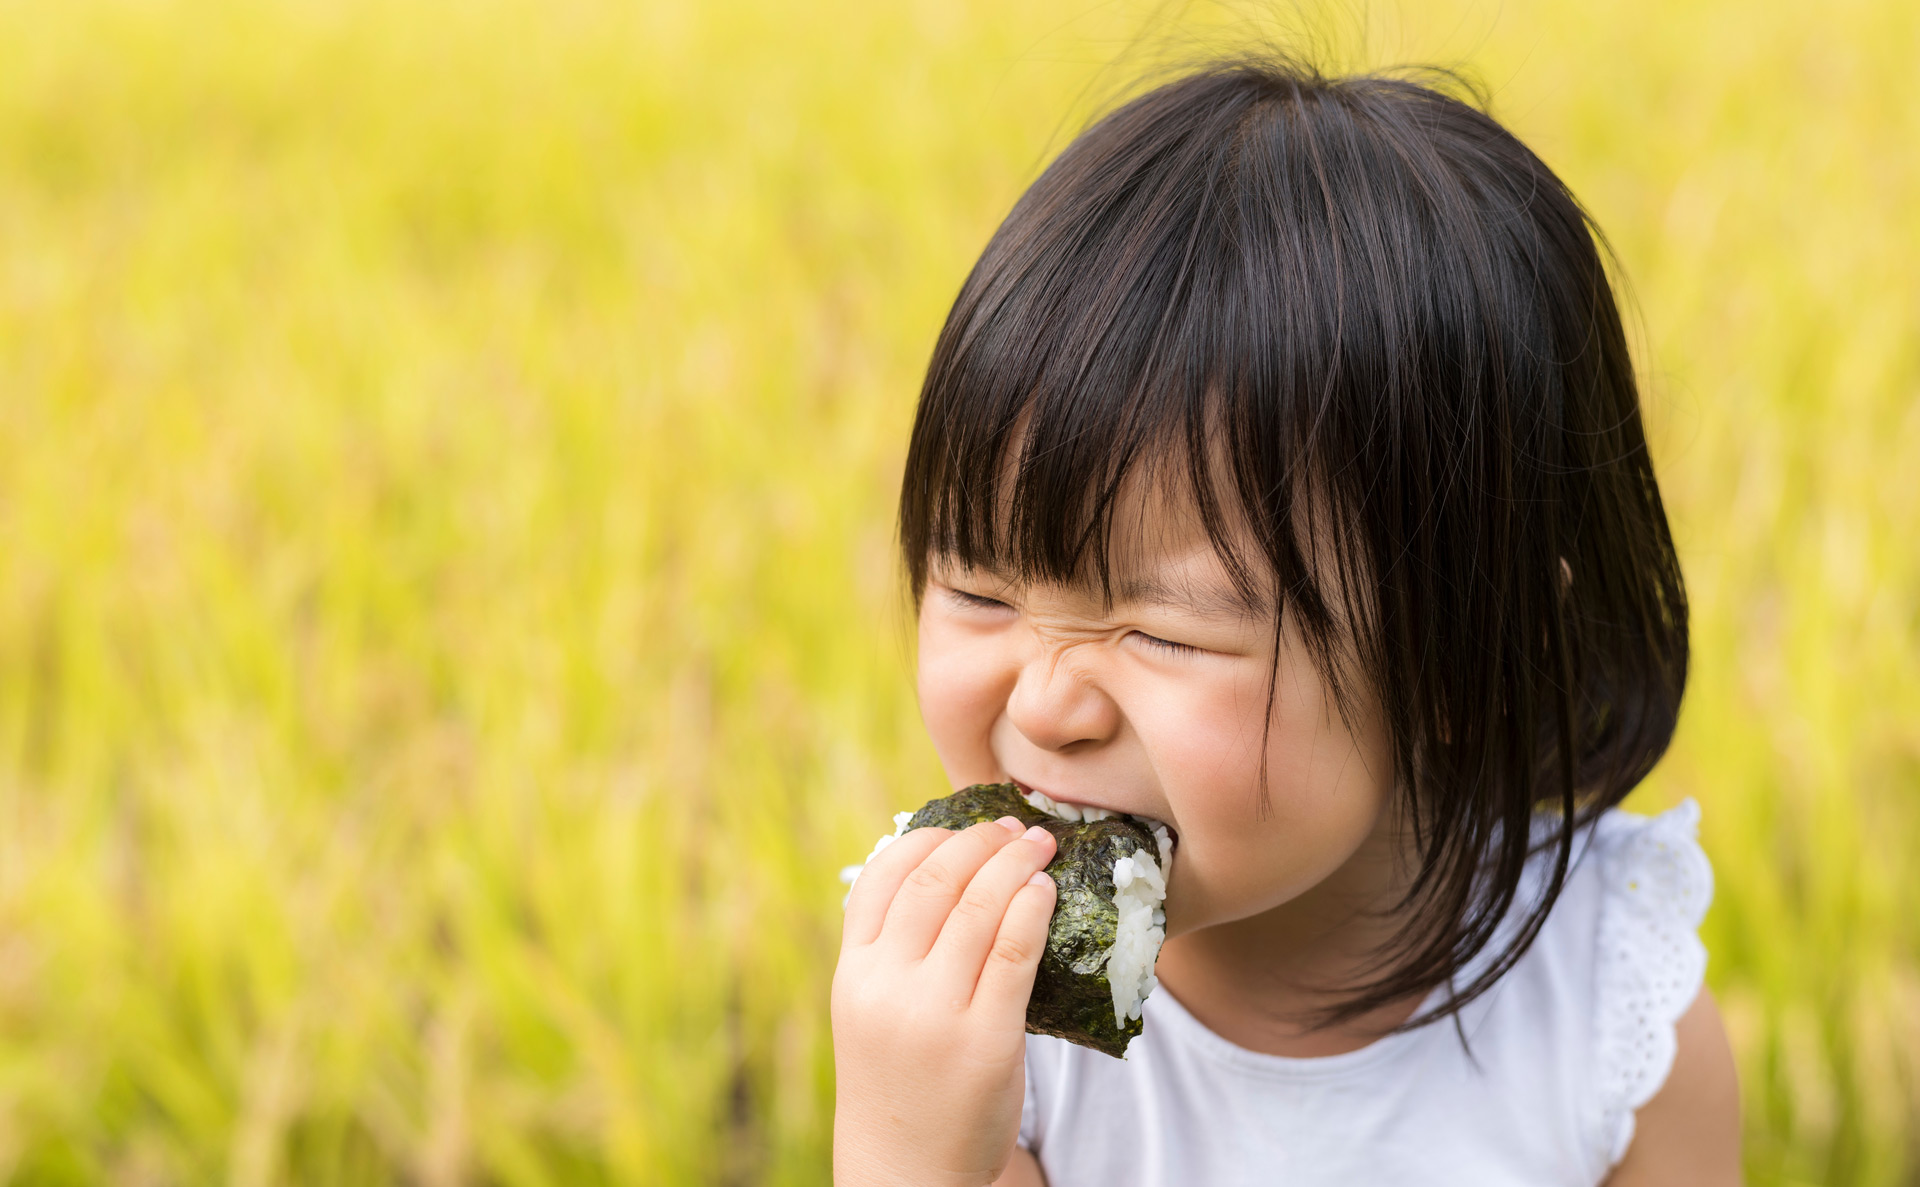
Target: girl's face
x=1157, y=705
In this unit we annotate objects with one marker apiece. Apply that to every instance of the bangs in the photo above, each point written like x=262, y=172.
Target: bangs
x=1371, y=338
x=1167, y=304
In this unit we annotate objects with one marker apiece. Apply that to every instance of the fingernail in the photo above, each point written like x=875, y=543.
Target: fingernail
x=1010, y=823
x=1036, y=832
x=1039, y=880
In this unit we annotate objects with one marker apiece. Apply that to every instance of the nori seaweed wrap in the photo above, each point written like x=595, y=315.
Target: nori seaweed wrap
x=978, y=804
x=1072, y=996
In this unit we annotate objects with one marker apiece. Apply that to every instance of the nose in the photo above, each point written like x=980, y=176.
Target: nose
x=1057, y=708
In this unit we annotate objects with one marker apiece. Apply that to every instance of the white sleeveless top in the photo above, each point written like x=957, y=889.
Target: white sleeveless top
x=1566, y=1046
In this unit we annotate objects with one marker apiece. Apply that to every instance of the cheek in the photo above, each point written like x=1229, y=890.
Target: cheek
x=962, y=690
x=1206, y=749
x=1326, y=790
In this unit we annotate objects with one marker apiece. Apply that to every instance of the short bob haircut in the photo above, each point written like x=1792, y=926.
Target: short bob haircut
x=1375, y=333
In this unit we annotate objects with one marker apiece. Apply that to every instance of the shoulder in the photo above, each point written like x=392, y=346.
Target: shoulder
x=1666, y=1094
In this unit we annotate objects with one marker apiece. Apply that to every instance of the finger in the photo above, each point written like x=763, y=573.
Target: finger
x=1006, y=980
x=926, y=897
x=865, y=910
x=874, y=889
x=970, y=929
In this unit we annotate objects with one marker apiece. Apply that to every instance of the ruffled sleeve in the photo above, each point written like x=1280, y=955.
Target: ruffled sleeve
x=1650, y=962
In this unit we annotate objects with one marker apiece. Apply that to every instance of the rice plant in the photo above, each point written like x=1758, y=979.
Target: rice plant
x=449, y=636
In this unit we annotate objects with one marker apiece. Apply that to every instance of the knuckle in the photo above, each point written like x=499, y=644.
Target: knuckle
x=1013, y=949
x=931, y=878
x=975, y=908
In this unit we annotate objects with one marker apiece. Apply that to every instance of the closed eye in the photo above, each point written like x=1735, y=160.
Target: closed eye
x=974, y=601
x=1166, y=645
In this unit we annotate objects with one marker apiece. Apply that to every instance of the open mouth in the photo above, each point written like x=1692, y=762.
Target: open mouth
x=1163, y=832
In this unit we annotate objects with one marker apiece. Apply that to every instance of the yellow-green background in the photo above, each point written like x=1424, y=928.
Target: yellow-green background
x=449, y=637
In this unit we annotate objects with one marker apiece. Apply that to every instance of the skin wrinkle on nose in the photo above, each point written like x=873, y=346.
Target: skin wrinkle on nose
x=1060, y=710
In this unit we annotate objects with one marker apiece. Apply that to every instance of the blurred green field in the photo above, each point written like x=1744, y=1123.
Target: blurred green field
x=449, y=633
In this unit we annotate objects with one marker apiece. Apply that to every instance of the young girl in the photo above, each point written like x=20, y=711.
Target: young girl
x=1279, y=475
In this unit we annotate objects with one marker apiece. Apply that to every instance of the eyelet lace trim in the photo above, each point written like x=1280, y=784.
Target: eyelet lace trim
x=1651, y=962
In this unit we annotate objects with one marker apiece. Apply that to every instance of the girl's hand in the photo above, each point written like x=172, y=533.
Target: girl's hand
x=943, y=933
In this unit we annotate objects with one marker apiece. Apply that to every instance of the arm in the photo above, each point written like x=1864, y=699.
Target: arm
x=1023, y=1171
x=1689, y=1133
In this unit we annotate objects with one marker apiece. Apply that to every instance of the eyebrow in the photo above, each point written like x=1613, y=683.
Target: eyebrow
x=1207, y=598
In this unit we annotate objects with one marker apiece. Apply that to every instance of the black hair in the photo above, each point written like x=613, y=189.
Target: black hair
x=1377, y=335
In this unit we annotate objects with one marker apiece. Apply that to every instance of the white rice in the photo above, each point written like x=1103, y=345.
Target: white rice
x=1139, y=890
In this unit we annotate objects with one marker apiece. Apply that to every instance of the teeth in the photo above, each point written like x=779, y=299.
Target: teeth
x=1052, y=807
x=1164, y=837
